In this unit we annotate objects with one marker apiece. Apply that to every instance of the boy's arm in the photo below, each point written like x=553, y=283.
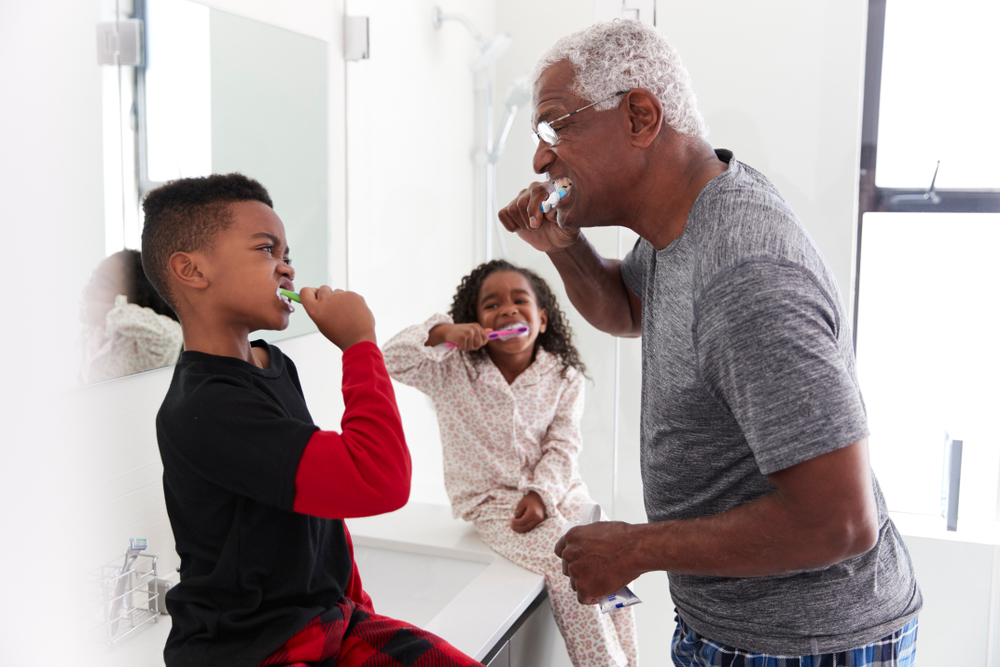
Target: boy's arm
x=364, y=469
x=555, y=471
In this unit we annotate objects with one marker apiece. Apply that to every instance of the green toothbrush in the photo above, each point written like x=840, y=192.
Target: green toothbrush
x=289, y=294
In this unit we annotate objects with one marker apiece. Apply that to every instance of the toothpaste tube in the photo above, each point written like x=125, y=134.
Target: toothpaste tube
x=624, y=597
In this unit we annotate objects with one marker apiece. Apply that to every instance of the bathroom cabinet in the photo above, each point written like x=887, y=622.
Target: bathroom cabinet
x=501, y=658
x=533, y=641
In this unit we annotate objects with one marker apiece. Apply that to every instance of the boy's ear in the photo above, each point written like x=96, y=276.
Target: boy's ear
x=543, y=316
x=185, y=268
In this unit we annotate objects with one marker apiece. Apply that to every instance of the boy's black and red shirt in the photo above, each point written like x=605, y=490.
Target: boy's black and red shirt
x=256, y=494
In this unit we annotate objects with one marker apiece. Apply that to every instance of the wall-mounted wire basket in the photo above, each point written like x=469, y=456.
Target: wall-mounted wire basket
x=130, y=593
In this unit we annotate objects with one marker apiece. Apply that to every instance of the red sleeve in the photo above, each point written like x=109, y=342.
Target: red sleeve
x=364, y=469
x=354, y=590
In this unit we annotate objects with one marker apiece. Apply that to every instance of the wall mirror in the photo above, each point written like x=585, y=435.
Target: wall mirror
x=216, y=93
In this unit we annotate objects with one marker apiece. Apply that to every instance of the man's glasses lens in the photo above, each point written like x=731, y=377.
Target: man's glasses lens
x=545, y=133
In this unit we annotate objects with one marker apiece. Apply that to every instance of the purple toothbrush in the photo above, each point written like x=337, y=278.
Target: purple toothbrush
x=500, y=334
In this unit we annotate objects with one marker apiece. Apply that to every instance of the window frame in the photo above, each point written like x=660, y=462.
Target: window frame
x=140, y=122
x=872, y=198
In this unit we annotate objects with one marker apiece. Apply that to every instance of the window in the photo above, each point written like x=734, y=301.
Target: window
x=926, y=320
x=159, y=121
x=174, y=93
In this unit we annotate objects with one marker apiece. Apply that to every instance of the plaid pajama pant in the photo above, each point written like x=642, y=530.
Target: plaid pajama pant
x=348, y=636
x=896, y=650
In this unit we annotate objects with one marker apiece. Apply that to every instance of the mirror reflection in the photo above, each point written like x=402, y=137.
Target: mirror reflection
x=216, y=93
x=127, y=327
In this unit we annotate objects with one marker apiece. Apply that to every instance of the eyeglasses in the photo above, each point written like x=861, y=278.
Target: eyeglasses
x=545, y=132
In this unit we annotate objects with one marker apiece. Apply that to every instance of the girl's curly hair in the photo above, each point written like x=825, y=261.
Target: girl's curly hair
x=557, y=338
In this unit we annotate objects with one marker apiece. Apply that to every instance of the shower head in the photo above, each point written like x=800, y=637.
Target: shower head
x=490, y=51
x=518, y=94
x=437, y=18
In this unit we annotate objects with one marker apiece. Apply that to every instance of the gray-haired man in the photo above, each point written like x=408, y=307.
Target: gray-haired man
x=761, y=502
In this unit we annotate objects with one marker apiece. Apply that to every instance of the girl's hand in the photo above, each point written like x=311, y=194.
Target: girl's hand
x=530, y=512
x=466, y=337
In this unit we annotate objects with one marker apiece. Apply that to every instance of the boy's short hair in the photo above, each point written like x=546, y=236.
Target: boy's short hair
x=185, y=216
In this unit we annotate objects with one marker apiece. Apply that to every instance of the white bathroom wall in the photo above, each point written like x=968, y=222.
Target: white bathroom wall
x=52, y=208
x=411, y=179
x=780, y=84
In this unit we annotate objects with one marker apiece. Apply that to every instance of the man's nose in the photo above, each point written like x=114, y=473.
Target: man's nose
x=543, y=158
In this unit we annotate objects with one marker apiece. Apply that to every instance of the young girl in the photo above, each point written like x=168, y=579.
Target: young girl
x=509, y=410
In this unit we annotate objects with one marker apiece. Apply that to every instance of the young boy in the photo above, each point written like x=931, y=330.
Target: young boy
x=255, y=492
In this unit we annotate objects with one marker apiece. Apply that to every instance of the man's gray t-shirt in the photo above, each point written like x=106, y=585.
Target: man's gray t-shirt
x=747, y=369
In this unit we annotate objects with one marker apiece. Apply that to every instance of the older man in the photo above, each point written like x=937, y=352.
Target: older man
x=761, y=502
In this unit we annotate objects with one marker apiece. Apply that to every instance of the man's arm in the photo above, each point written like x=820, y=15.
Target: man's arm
x=596, y=288
x=822, y=511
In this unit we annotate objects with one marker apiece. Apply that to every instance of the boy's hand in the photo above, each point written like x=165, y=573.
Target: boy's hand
x=466, y=337
x=341, y=316
x=530, y=512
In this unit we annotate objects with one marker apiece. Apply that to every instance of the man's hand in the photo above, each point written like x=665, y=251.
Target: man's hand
x=523, y=215
x=530, y=512
x=343, y=317
x=595, y=558
x=466, y=337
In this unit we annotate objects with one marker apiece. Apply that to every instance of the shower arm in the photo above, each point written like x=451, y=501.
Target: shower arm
x=505, y=125
x=438, y=18
x=489, y=50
